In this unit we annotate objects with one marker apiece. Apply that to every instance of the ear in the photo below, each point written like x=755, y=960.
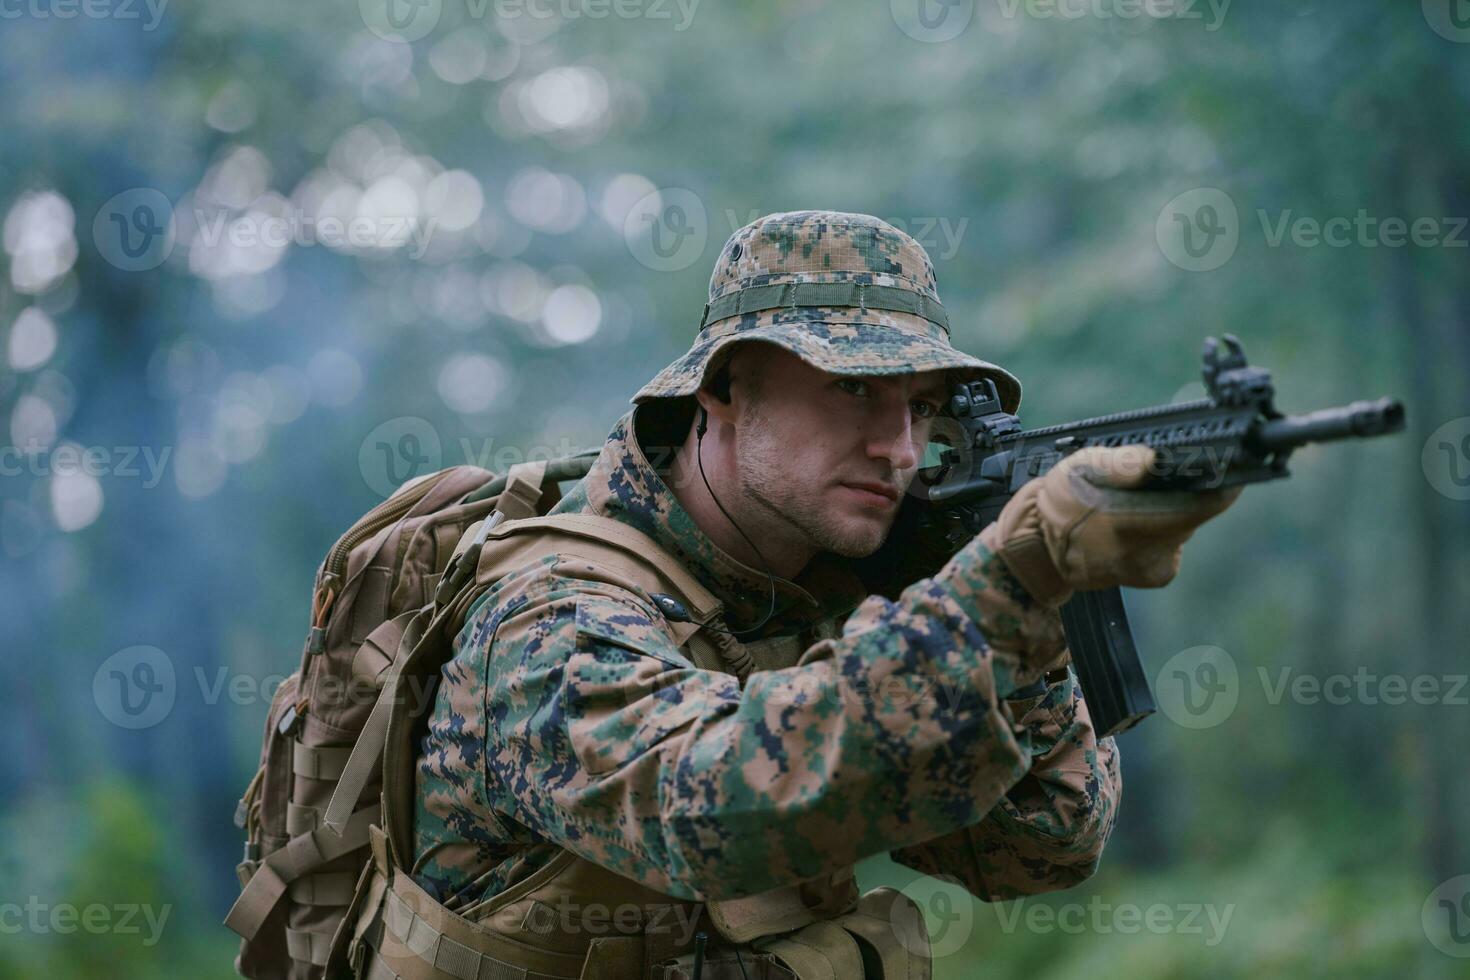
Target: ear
x=718, y=410
x=714, y=395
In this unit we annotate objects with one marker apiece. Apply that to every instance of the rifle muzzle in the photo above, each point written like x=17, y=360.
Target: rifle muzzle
x=1358, y=420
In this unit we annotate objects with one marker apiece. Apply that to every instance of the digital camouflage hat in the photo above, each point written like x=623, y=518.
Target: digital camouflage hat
x=847, y=293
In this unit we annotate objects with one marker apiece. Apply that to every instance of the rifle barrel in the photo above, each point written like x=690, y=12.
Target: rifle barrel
x=1360, y=419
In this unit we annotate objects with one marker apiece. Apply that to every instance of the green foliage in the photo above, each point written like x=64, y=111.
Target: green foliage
x=1277, y=909
x=1040, y=153
x=103, y=898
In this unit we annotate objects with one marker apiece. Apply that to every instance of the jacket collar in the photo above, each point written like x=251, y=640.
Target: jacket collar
x=624, y=485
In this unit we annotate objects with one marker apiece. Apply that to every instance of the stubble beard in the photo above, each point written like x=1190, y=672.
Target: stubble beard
x=788, y=506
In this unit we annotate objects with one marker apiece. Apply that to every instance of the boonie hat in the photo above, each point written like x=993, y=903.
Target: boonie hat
x=847, y=293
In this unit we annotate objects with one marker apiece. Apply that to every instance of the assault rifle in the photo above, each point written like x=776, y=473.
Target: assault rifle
x=1235, y=436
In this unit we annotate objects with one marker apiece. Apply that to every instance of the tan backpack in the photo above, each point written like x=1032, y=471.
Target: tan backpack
x=307, y=811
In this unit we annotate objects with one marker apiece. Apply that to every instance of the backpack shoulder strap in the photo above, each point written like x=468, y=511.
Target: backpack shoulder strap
x=617, y=547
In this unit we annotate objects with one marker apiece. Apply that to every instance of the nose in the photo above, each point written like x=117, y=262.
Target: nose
x=891, y=437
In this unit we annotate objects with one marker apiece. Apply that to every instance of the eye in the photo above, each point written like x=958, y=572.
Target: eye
x=853, y=386
x=924, y=409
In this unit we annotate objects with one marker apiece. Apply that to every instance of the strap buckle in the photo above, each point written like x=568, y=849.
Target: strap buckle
x=289, y=720
x=462, y=563
x=245, y=870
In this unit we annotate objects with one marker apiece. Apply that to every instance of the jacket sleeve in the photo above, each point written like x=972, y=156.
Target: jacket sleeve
x=1049, y=830
x=601, y=736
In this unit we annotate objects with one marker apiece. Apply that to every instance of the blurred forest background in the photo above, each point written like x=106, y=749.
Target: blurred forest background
x=194, y=406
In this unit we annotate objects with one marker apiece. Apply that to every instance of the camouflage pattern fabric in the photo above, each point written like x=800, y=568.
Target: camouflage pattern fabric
x=828, y=247
x=569, y=718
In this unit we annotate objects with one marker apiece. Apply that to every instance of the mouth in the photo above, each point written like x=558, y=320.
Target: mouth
x=882, y=495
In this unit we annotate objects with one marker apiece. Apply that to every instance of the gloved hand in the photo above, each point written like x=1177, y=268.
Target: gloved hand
x=1085, y=525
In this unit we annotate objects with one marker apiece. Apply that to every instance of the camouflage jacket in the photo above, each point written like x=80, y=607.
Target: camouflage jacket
x=569, y=718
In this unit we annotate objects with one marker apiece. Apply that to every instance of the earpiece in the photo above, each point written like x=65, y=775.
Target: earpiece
x=699, y=432
x=719, y=383
x=719, y=386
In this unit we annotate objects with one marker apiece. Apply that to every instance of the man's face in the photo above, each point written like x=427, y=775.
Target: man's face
x=824, y=455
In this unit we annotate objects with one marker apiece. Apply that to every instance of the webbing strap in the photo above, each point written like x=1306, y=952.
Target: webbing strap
x=379, y=650
x=742, y=919
x=891, y=927
x=367, y=751
x=328, y=888
x=754, y=299
x=519, y=498
x=523, y=488
x=309, y=947
x=820, y=951
x=302, y=819
x=281, y=867
x=437, y=954
x=378, y=970
x=319, y=761
x=629, y=540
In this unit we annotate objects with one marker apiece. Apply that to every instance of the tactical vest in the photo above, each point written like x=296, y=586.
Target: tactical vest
x=572, y=919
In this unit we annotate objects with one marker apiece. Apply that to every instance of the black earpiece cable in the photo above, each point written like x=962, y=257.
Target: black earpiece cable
x=770, y=576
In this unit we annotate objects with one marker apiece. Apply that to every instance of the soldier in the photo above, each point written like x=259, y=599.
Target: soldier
x=594, y=747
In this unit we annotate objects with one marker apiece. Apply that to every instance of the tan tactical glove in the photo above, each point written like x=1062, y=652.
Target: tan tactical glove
x=1084, y=525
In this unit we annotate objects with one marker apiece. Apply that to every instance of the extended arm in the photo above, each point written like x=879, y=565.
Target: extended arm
x=602, y=737
x=1049, y=831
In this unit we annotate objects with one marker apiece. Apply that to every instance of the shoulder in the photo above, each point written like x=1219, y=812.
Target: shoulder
x=558, y=602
